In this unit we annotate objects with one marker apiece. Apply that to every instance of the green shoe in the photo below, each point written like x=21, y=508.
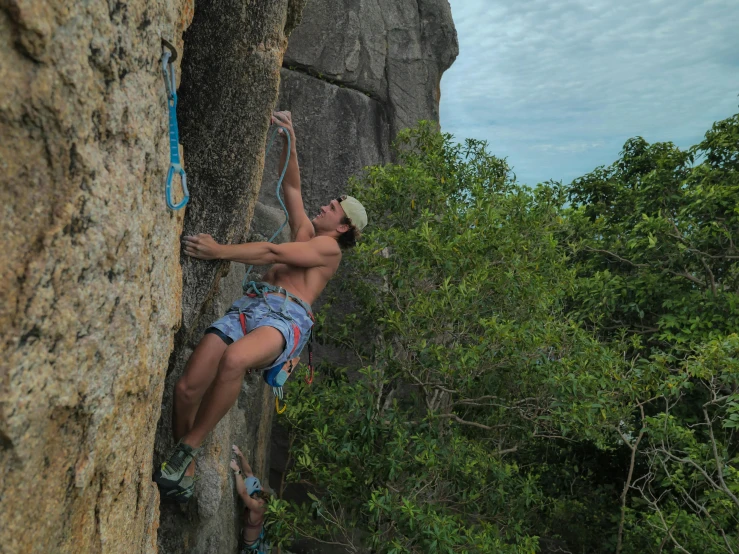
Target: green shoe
x=183, y=492
x=173, y=470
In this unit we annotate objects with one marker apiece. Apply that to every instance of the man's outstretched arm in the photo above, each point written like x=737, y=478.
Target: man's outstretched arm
x=319, y=251
x=300, y=225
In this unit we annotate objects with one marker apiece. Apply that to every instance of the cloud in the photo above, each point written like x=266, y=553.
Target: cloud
x=558, y=86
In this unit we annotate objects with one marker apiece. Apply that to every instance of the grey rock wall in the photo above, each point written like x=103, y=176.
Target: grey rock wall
x=394, y=50
x=355, y=73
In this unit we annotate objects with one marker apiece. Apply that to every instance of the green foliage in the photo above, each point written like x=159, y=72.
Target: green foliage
x=654, y=237
x=537, y=370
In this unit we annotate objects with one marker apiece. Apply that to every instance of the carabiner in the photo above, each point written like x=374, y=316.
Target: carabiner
x=279, y=410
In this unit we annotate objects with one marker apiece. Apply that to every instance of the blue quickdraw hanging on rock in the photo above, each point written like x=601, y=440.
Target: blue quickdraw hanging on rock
x=169, y=55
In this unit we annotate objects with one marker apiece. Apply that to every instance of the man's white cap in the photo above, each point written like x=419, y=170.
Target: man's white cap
x=355, y=211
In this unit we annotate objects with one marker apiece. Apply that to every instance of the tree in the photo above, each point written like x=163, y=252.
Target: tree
x=653, y=241
x=548, y=369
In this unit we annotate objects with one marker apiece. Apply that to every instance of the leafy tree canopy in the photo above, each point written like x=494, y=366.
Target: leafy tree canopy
x=549, y=369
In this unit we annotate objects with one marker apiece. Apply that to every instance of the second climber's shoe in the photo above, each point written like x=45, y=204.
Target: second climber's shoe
x=173, y=470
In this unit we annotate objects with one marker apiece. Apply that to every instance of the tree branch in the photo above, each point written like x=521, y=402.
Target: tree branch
x=619, y=258
x=458, y=419
x=718, y=462
x=624, y=493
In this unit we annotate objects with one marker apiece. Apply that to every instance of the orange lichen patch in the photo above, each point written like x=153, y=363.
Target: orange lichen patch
x=186, y=15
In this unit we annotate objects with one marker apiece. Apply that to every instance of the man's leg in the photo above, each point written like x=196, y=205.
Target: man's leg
x=258, y=349
x=200, y=371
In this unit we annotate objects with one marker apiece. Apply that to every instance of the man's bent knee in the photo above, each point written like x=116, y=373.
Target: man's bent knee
x=232, y=365
x=186, y=392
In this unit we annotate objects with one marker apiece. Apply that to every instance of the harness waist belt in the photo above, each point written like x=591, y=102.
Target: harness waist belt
x=262, y=287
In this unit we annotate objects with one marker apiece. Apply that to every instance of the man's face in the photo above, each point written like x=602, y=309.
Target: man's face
x=329, y=219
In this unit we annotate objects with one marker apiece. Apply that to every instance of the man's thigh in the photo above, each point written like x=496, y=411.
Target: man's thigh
x=257, y=350
x=202, y=366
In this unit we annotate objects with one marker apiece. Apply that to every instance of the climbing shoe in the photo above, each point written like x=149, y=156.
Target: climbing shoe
x=182, y=492
x=173, y=470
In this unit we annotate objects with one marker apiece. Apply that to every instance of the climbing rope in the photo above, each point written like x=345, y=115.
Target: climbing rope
x=169, y=55
x=245, y=282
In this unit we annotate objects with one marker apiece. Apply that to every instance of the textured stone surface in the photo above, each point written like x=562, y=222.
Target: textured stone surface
x=343, y=40
x=90, y=287
x=422, y=44
x=226, y=97
x=93, y=295
x=394, y=50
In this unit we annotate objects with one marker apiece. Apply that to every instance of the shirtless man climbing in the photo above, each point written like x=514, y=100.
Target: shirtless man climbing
x=277, y=314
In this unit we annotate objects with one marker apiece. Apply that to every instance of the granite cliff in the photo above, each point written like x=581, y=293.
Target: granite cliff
x=98, y=309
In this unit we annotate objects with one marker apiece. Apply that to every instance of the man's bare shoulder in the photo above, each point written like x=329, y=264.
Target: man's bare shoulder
x=325, y=245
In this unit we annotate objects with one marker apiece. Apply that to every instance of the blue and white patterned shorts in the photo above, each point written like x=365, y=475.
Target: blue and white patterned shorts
x=289, y=318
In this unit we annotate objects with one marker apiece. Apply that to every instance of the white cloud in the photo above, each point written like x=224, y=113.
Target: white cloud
x=558, y=86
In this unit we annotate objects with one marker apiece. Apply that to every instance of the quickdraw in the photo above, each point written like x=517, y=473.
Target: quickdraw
x=169, y=55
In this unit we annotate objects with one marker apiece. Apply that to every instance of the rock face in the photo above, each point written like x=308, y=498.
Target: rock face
x=90, y=279
x=394, y=51
x=92, y=294
x=98, y=310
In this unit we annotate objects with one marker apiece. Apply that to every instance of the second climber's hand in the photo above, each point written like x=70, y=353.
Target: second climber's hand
x=201, y=246
x=234, y=465
x=284, y=120
x=236, y=451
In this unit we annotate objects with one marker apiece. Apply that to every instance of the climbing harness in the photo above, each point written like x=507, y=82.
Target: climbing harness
x=259, y=546
x=277, y=375
x=169, y=55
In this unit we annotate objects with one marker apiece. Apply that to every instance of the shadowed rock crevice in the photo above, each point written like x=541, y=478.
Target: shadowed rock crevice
x=311, y=72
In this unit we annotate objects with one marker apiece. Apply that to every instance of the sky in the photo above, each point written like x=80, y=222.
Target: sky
x=558, y=86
